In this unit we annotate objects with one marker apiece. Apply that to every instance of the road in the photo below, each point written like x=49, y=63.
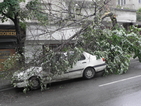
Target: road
x=112, y=90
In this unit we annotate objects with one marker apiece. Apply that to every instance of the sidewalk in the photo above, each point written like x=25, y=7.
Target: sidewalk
x=5, y=83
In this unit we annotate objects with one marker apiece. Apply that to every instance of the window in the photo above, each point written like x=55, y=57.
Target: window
x=122, y=2
x=8, y=42
x=82, y=57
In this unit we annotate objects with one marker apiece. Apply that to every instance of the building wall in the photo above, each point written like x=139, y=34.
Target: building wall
x=38, y=36
x=137, y=4
x=129, y=4
x=125, y=16
x=8, y=43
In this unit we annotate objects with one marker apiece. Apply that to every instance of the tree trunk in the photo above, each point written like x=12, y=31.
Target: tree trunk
x=21, y=39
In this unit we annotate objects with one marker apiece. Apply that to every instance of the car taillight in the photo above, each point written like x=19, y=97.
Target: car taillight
x=103, y=59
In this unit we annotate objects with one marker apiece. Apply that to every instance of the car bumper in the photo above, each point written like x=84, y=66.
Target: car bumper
x=100, y=67
x=21, y=84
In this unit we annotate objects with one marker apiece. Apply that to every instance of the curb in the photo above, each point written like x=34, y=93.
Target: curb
x=5, y=84
x=6, y=87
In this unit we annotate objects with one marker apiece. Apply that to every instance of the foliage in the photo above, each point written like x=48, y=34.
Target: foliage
x=11, y=62
x=35, y=12
x=116, y=46
x=139, y=15
x=59, y=62
x=10, y=65
x=10, y=9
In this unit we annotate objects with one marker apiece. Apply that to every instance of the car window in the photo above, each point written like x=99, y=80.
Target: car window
x=58, y=56
x=82, y=57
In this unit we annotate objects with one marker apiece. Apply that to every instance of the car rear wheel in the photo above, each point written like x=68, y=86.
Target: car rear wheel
x=89, y=73
x=34, y=83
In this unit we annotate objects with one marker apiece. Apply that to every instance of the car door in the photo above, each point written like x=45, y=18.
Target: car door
x=56, y=77
x=63, y=75
x=77, y=69
x=51, y=70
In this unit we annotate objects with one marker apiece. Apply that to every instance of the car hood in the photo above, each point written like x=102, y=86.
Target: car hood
x=27, y=73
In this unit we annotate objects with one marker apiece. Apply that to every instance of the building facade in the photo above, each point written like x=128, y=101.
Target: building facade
x=126, y=4
x=129, y=4
x=132, y=6
x=8, y=41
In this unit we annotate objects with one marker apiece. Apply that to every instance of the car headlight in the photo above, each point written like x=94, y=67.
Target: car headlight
x=21, y=74
x=18, y=76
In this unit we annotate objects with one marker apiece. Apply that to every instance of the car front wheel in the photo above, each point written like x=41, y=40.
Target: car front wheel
x=34, y=83
x=89, y=73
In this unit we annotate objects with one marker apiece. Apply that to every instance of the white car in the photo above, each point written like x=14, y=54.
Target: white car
x=85, y=67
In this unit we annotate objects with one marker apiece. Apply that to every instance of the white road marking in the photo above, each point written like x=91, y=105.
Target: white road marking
x=119, y=81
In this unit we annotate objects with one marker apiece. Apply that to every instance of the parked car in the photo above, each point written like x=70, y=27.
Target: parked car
x=85, y=67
